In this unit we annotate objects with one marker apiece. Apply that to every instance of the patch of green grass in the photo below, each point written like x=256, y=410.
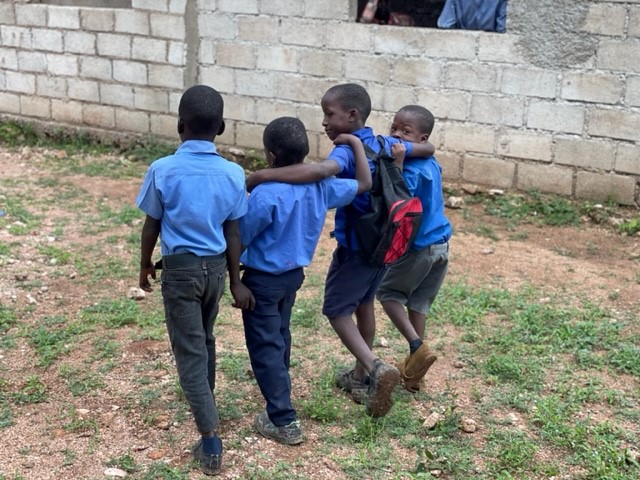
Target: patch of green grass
x=462, y=305
x=234, y=365
x=307, y=313
x=322, y=404
x=533, y=207
x=52, y=339
x=124, y=462
x=59, y=255
x=511, y=452
x=630, y=226
x=119, y=313
x=7, y=318
x=162, y=471
x=75, y=423
x=33, y=391
x=279, y=471
x=80, y=381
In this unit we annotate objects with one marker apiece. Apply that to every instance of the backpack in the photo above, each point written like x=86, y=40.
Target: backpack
x=387, y=232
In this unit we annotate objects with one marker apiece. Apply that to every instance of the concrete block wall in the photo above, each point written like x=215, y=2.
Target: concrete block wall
x=535, y=108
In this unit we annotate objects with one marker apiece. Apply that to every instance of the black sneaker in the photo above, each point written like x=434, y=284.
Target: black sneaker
x=346, y=380
x=288, y=434
x=382, y=381
x=210, y=464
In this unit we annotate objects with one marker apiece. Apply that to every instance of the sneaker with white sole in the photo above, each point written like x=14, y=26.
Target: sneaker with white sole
x=287, y=434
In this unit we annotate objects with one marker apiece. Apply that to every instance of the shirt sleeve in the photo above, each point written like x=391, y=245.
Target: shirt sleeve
x=344, y=157
x=241, y=206
x=149, y=200
x=340, y=191
x=257, y=218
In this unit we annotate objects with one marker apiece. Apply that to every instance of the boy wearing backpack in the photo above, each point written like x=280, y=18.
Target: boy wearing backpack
x=352, y=280
x=280, y=231
x=414, y=281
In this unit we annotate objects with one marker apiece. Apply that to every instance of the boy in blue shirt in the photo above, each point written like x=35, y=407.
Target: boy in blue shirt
x=193, y=200
x=414, y=281
x=281, y=231
x=351, y=281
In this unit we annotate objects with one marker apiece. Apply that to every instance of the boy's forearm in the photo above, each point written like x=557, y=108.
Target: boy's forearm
x=148, y=239
x=234, y=249
x=298, y=173
x=363, y=172
x=422, y=150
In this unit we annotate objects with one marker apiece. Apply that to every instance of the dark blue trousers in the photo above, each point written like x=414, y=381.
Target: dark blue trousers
x=266, y=330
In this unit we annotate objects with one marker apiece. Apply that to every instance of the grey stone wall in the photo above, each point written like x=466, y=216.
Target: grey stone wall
x=553, y=104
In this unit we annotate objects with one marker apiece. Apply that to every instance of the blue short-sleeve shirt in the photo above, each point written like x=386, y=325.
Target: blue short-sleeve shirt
x=423, y=177
x=283, y=224
x=193, y=192
x=345, y=158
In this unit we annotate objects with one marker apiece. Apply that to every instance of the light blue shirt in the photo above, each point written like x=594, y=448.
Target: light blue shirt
x=346, y=160
x=423, y=177
x=193, y=192
x=488, y=15
x=283, y=224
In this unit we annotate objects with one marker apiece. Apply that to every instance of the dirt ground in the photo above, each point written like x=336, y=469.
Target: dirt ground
x=591, y=260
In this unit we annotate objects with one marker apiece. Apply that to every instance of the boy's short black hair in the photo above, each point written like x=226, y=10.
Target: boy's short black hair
x=201, y=108
x=352, y=95
x=423, y=116
x=286, y=138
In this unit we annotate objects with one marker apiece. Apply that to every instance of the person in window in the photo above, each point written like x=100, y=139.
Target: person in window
x=487, y=15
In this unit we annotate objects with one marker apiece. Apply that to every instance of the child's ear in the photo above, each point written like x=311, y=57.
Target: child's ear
x=180, y=126
x=221, y=129
x=271, y=159
x=424, y=138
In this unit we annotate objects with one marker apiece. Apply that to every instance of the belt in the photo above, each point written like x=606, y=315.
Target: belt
x=437, y=248
x=189, y=259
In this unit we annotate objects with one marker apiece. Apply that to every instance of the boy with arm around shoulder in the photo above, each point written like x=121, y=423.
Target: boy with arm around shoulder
x=414, y=281
x=193, y=200
x=281, y=231
x=351, y=281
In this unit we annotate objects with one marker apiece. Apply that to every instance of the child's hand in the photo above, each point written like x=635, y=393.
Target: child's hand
x=346, y=139
x=145, y=273
x=242, y=297
x=398, y=152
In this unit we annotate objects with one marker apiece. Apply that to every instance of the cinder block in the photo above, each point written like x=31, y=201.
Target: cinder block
x=16, y=37
x=500, y=48
x=399, y=41
x=628, y=159
x=602, y=188
x=241, y=109
x=98, y=116
x=531, y=146
x=488, y=171
x=545, y=178
x=249, y=135
x=149, y=49
x=10, y=57
x=129, y=121
x=468, y=137
x=615, y=124
x=238, y=6
x=31, y=106
x=267, y=109
x=97, y=19
x=7, y=14
x=615, y=55
x=177, y=6
x=217, y=26
x=234, y=55
x=132, y=21
x=321, y=63
x=131, y=72
x=393, y=99
x=605, y=19
x=154, y=5
x=312, y=34
x=634, y=21
x=66, y=111
x=451, y=164
x=94, y=67
x=222, y=79
x=497, y=110
x=259, y=29
x=80, y=42
x=346, y=36
x=114, y=45
x=166, y=76
x=64, y=65
x=10, y=102
x=83, y=90
x=19, y=82
x=419, y=72
x=632, y=97
x=283, y=59
x=366, y=67
x=30, y=14
x=64, y=17
x=48, y=86
x=258, y=84
x=532, y=82
x=469, y=76
x=311, y=116
x=554, y=116
x=450, y=44
x=592, y=87
x=177, y=54
x=284, y=8
x=164, y=126
x=579, y=152
x=445, y=104
x=47, y=40
x=331, y=9
x=300, y=89
x=167, y=26
x=116, y=94
x=152, y=100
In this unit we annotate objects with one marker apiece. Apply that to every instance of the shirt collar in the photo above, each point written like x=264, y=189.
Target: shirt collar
x=197, y=146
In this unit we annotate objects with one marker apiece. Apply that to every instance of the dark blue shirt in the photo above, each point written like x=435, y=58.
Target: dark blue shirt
x=488, y=15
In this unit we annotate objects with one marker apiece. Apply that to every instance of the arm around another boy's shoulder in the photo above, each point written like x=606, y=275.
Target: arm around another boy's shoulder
x=362, y=170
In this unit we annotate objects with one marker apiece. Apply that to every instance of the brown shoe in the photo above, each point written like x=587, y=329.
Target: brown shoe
x=382, y=380
x=415, y=367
